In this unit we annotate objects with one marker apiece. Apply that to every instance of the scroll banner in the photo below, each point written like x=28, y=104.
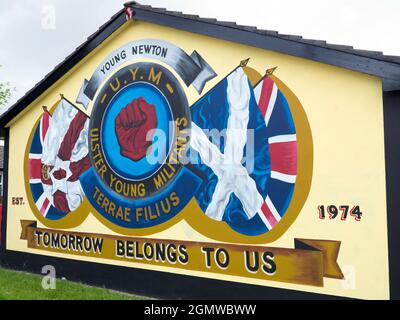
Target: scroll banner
x=193, y=69
x=307, y=264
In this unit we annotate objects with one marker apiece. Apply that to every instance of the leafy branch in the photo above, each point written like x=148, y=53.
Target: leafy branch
x=5, y=93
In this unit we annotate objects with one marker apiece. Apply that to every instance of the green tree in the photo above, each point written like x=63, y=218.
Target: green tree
x=5, y=93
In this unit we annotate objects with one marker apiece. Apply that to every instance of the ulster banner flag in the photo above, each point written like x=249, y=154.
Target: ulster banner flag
x=57, y=158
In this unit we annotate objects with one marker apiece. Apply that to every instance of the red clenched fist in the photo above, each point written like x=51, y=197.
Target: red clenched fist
x=132, y=126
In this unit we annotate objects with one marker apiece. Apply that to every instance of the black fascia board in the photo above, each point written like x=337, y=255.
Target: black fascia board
x=388, y=71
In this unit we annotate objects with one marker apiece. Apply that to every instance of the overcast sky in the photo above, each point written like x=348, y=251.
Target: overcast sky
x=35, y=35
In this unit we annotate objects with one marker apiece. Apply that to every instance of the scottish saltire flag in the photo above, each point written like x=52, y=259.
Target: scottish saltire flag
x=242, y=165
x=58, y=156
x=234, y=190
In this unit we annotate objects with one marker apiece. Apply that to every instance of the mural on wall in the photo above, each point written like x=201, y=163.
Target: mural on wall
x=133, y=153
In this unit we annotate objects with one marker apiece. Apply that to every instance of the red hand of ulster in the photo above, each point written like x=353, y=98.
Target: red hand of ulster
x=134, y=128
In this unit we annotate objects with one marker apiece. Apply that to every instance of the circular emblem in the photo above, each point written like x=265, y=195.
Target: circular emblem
x=139, y=130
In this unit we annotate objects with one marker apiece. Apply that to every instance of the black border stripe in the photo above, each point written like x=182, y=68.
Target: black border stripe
x=392, y=158
x=155, y=284
x=3, y=240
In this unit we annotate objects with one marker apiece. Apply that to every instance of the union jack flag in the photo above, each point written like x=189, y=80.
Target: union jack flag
x=282, y=147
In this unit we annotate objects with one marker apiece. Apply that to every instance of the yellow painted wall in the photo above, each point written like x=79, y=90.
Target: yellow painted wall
x=345, y=112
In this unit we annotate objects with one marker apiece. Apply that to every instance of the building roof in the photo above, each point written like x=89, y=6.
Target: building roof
x=295, y=38
x=369, y=62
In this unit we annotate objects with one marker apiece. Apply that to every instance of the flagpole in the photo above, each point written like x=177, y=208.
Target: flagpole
x=268, y=73
x=72, y=104
x=45, y=110
x=242, y=64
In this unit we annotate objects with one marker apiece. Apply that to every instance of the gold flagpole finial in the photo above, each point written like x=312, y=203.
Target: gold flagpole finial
x=244, y=62
x=271, y=71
